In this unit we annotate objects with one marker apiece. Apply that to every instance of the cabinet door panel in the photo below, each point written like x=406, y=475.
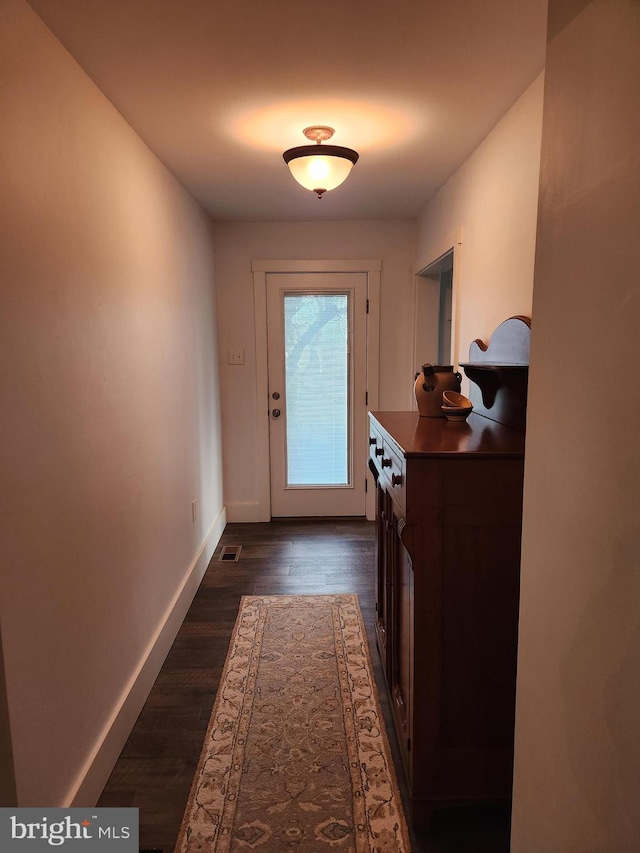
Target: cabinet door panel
x=402, y=646
x=383, y=577
x=479, y=634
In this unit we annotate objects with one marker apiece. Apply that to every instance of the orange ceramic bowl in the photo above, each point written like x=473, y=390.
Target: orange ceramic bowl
x=456, y=413
x=451, y=399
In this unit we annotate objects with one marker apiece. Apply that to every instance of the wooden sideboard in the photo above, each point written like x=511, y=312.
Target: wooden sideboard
x=448, y=522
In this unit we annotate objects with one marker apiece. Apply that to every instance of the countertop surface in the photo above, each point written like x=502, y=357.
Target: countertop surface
x=417, y=436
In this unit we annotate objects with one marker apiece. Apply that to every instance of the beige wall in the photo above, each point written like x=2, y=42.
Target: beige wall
x=577, y=770
x=493, y=199
x=237, y=245
x=110, y=418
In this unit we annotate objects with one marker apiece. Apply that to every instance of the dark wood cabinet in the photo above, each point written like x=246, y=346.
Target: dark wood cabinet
x=449, y=508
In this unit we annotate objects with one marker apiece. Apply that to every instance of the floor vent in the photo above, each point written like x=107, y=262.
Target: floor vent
x=230, y=554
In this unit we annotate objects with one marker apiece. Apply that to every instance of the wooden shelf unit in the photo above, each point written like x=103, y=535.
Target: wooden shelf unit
x=448, y=529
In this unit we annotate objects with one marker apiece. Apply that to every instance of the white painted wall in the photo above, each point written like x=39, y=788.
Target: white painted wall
x=577, y=768
x=493, y=198
x=110, y=414
x=237, y=245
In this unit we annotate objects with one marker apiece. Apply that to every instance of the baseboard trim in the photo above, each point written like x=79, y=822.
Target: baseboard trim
x=245, y=512
x=93, y=777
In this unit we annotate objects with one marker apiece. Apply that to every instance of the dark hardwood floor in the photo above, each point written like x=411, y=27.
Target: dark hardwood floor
x=156, y=767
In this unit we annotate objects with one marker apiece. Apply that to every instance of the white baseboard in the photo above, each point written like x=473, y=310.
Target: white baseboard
x=245, y=512
x=94, y=775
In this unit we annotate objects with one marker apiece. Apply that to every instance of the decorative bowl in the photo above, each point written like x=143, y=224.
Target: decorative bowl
x=453, y=400
x=457, y=413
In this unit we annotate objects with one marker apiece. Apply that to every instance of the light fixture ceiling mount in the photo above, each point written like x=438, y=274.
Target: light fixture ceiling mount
x=320, y=167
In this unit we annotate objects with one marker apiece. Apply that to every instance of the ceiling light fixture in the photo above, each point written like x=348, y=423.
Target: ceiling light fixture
x=320, y=167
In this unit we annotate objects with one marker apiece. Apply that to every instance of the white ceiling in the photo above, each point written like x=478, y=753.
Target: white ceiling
x=218, y=89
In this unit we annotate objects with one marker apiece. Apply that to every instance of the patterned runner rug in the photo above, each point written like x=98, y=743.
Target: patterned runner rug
x=296, y=757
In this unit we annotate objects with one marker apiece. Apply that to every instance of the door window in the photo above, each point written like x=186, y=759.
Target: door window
x=316, y=331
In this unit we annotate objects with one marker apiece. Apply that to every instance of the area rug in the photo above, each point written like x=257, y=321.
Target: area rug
x=295, y=757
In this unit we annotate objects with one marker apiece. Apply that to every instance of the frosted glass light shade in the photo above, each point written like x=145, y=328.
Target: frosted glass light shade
x=320, y=167
x=320, y=172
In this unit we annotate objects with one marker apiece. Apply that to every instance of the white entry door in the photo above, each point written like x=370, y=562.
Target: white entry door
x=316, y=330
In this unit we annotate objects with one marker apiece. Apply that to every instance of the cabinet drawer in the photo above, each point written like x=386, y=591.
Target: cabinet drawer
x=395, y=470
x=376, y=448
x=390, y=465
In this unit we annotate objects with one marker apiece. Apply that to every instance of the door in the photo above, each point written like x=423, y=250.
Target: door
x=316, y=331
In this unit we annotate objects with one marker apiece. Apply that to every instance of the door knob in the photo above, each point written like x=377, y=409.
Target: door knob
x=276, y=413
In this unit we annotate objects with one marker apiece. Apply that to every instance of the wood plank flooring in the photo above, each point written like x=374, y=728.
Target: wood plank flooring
x=156, y=767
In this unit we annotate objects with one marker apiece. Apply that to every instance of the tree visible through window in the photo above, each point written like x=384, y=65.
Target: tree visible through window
x=317, y=388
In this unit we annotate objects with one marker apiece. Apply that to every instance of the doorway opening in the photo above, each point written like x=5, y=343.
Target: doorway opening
x=436, y=337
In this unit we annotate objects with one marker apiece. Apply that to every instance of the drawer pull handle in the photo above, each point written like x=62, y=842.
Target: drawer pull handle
x=396, y=479
x=372, y=440
x=379, y=451
x=386, y=463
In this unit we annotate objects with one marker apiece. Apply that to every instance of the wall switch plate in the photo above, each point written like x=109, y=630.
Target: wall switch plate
x=194, y=510
x=236, y=356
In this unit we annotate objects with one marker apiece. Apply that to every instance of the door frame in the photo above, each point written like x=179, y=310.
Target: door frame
x=429, y=267
x=261, y=269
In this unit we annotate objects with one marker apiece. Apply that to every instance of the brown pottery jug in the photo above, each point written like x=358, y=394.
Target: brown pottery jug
x=429, y=385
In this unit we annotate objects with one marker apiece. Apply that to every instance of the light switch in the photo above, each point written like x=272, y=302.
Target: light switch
x=236, y=356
